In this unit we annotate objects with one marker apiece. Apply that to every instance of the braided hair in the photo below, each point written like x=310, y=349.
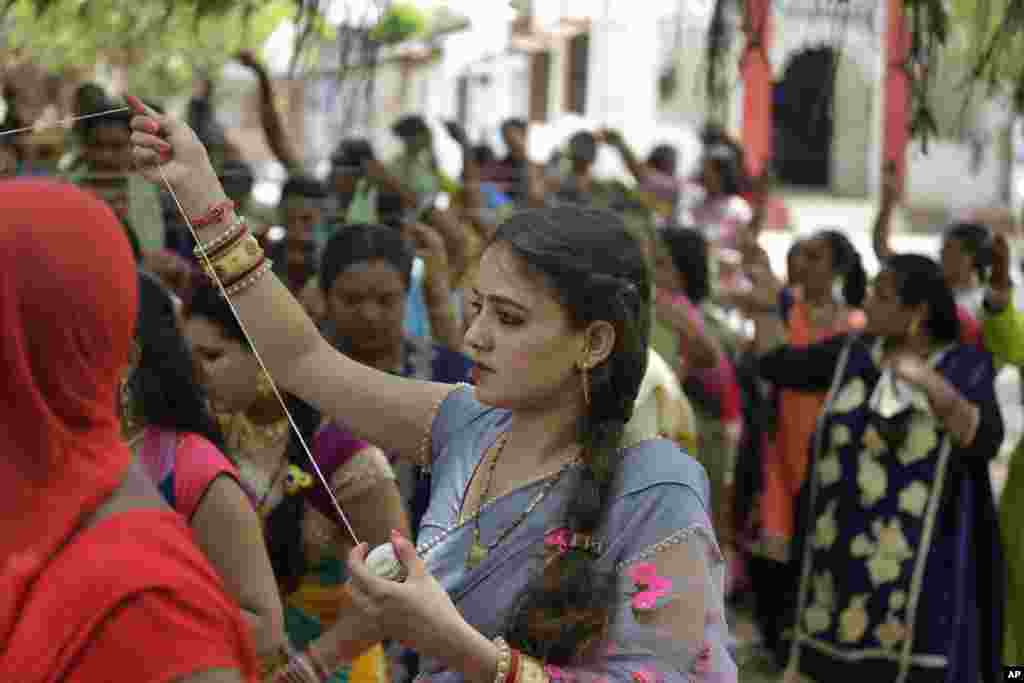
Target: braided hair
x=597, y=268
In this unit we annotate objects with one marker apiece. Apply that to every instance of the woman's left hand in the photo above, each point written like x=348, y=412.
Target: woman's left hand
x=417, y=612
x=910, y=368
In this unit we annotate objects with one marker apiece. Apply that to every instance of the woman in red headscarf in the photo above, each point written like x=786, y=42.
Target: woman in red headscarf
x=98, y=578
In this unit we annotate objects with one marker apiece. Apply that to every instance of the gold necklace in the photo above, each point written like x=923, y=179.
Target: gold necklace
x=478, y=551
x=242, y=434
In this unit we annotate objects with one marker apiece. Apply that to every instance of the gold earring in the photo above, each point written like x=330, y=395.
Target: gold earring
x=915, y=327
x=264, y=387
x=125, y=404
x=585, y=379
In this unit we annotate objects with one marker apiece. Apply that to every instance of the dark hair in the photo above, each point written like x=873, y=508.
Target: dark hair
x=688, y=248
x=664, y=158
x=919, y=280
x=597, y=270
x=352, y=152
x=514, y=123
x=410, y=126
x=164, y=388
x=731, y=174
x=976, y=240
x=359, y=243
x=303, y=186
x=284, y=524
x=85, y=128
x=237, y=178
x=846, y=263
x=390, y=210
x=483, y=154
x=583, y=147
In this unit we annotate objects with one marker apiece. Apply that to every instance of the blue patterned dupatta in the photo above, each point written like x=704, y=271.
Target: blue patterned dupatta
x=898, y=545
x=659, y=511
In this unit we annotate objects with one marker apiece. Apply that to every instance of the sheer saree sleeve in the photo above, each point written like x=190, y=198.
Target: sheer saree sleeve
x=668, y=623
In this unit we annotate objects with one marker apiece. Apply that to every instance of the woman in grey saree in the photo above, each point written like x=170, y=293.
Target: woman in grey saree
x=547, y=552
x=658, y=534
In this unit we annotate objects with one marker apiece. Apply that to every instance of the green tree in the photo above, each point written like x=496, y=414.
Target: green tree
x=162, y=44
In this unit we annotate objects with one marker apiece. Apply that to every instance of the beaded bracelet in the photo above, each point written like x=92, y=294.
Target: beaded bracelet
x=321, y=669
x=221, y=240
x=250, y=279
x=504, y=661
x=215, y=214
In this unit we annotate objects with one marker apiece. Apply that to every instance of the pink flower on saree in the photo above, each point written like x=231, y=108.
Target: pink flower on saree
x=650, y=586
x=702, y=665
x=559, y=539
x=646, y=676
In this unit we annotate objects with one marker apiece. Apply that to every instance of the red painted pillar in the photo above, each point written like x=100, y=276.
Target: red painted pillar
x=756, y=72
x=897, y=91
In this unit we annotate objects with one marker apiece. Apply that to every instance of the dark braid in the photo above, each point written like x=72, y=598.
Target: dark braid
x=598, y=270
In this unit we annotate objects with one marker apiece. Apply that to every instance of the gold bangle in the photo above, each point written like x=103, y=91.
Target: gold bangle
x=531, y=671
x=272, y=662
x=220, y=240
x=240, y=258
x=504, y=660
x=251, y=279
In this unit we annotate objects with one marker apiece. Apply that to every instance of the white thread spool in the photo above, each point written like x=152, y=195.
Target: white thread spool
x=383, y=562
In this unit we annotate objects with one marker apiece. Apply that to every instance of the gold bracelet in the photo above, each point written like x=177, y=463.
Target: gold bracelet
x=504, y=660
x=531, y=671
x=220, y=240
x=239, y=259
x=249, y=280
x=272, y=662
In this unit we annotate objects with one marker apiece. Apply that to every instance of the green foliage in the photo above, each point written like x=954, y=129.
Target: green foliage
x=993, y=44
x=164, y=43
x=402, y=21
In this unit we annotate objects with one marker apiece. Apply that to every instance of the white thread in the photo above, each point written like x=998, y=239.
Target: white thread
x=273, y=385
x=64, y=122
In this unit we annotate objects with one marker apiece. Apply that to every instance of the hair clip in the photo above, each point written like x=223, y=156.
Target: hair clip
x=564, y=540
x=297, y=480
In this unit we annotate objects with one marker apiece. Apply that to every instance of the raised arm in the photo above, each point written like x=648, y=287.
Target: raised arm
x=883, y=222
x=637, y=168
x=391, y=412
x=273, y=127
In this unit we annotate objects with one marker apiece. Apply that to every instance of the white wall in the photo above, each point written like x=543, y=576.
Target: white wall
x=944, y=177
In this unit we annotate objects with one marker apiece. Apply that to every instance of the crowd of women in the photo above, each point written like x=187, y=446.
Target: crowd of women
x=587, y=416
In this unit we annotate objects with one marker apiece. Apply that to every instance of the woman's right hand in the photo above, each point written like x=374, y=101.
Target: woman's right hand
x=166, y=149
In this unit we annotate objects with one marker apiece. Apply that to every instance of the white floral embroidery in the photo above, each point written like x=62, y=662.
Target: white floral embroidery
x=852, y=396
x=853, y=621
x=818, y=617
x=922, y=439
x=826, y=530
x=840, y=436
x=914, y=498
x=861, y=546
x=830, y=470
x=891, y=551
x=871, y=479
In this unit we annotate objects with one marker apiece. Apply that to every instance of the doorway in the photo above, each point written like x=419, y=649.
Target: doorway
x=803, y=119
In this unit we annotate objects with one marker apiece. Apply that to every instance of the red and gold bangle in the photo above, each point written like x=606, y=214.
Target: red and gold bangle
x=504, y=661
x=249, y=280
x=222, y=240
x=513, y=670
x=235, y=262
x=215, y=214
x=531, y=671
x=318, y=666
